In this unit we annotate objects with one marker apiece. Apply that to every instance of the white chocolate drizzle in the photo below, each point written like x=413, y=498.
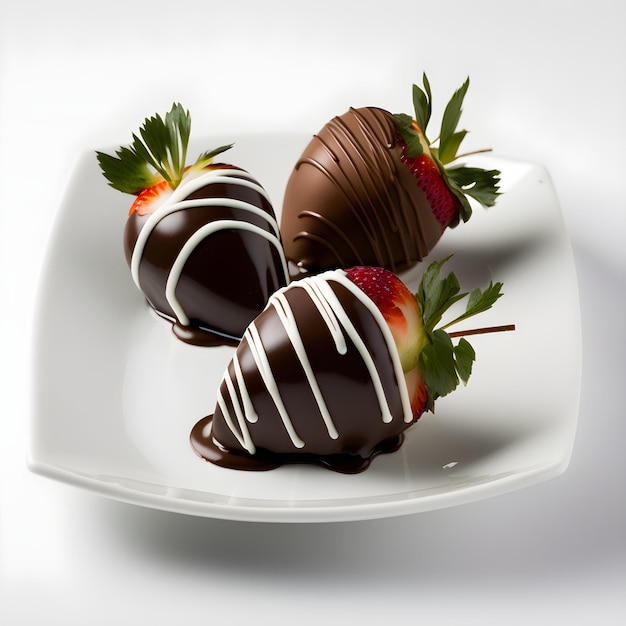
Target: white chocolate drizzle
x=177, y=202
x=190, y=246
x=340, y=326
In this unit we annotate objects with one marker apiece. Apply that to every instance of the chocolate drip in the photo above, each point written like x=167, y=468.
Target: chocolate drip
x=315, y=379
x=209, y=449
x=216, y=249
x=351, y=201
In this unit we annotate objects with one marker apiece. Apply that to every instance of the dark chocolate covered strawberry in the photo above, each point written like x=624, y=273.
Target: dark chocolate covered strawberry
x=372, y=189
x=202, y=241
x=336, y=368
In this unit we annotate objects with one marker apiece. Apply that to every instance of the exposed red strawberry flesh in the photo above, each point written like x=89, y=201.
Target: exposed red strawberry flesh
x=418, y=393
x=389, y=294
x=143, y=204
x=383, y=287
x=443, y=202
x=401, y=311
x=447, y=188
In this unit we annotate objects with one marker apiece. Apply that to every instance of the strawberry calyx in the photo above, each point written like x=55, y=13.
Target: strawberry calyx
x=419, y=154
x=432, y=363
x=442, y=363
x=158, y=153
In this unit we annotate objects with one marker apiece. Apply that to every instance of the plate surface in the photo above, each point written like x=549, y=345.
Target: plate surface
x=116, y=394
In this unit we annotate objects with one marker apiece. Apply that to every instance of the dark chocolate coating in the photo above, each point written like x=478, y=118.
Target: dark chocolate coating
x=351, y=201
x=344, y=381
x=229, y=276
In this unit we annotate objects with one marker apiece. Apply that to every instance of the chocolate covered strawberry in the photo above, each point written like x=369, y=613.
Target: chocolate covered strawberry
x=336, y=368
x=372, y=189
x=201, y=240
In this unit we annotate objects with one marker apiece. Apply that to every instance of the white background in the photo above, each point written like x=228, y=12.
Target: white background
x=547, y=86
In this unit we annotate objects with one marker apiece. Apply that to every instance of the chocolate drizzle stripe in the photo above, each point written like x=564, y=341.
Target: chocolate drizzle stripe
x=354, y=174
x=320, y=294
x=342, y=137
x=190, y=246
x=378, y=164
x=262, y=362
x=343, y=236
x=248, y=406
x=383, y=158
x=241, y=417
x=242, y=434
x=345, y=321
x=231, y=203
x=243, y=413
x=406, y=205
x=325, y=299
x=359, y=217
x=173, y=204
x=340, y=277
x=286, y=316
x=366, y=183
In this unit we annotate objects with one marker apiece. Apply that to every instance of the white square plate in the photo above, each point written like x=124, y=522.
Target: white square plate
x=116, y=394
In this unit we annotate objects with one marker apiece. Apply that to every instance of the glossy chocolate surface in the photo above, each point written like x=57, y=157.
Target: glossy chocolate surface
x=344, y=382
x=228, y=275
x=351, y=201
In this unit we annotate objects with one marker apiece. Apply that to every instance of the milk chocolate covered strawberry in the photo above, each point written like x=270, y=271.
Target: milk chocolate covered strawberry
x=201, y=240
x=372, y=189
x=336, y=368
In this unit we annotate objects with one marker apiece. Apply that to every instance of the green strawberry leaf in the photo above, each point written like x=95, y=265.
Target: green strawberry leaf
x=448, y=137
x=158, y=151
x=479, y=301
x=464, y=359
x=443, y=364
x=480, y=184
x=465, y=210
x=128, y=172
x=437, y=365
x=448, y=150
x=422, y=104
x=178, y=123
x=206, y=158
x=464, y=182
x=164, y=143
x=411, y=137
x=435, y=295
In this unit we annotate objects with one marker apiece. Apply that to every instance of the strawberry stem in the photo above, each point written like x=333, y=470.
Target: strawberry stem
x=442, y=363
x=482, y=331
x=472, y=152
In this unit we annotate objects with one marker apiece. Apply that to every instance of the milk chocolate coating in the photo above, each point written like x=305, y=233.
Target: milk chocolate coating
x=228, y=277
x=351, y=201
x=344, y=382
